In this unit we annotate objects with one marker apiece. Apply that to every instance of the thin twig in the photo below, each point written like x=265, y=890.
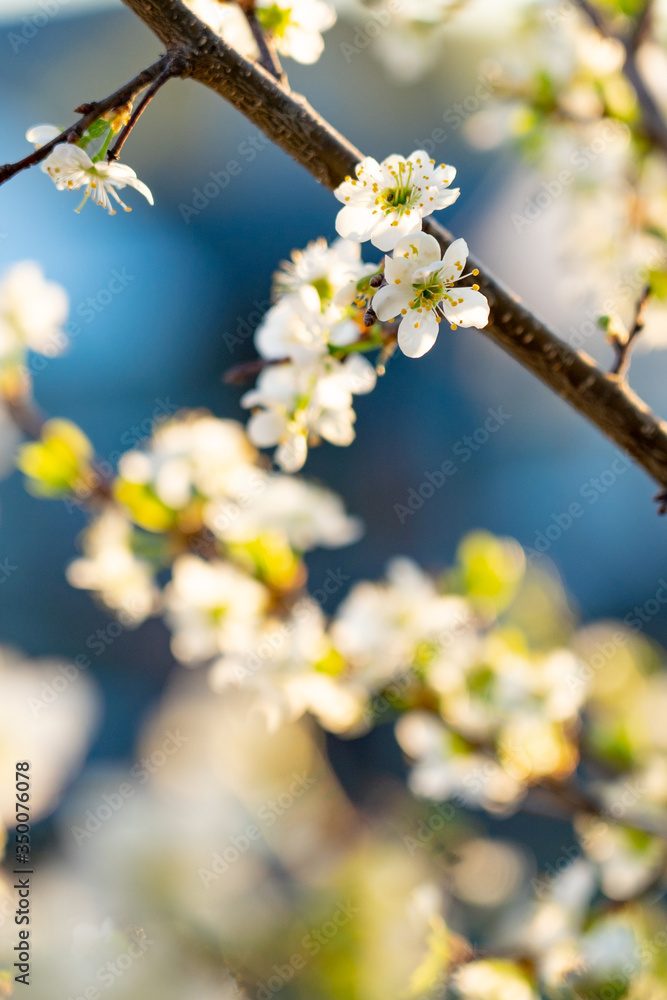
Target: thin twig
x=268, y=55
x=170, y=70
x=624, y=349
x=91, y=112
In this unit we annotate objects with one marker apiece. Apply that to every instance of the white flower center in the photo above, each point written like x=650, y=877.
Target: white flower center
x=400, y=197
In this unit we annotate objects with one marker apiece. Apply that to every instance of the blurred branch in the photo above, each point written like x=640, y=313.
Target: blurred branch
x=91, y=112
x=642, y=27
x=24, y=413
x=594, y=16
x=653, y=119
x=242, y=373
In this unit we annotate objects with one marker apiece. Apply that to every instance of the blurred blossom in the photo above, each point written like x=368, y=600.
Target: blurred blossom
x=448, y=769
x=305, y=514
x=187, y=460
x=487, y=873
x=211, y=608
x=58, y=463
x=494, y=980
x=32, y=314
x=48, y=712
x=110, y=567
x=296, y=27
x=380, y=627
x=629, y=860
x=406, y=38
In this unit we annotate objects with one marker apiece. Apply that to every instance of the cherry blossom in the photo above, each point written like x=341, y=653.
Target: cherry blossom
x=387, y=201
x=421, y=288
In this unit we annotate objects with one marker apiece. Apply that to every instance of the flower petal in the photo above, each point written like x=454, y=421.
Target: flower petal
x=291, y=455
x=444, y=199
x=421, y=248
x=454, y=261
x=392, y=228
x=344, y=333
x=443, y=175
x=390, y=300
x=417, y=333
x=337, y=427
x=361, y=374
x=355, y=223
x=467, y=308
x=41, y=134
x=397, y=269
x=266, y=428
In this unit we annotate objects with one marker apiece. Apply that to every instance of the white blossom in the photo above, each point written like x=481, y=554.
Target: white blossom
x=406, y=38
x=421, y=288
x=191, y=455
x=39, y=135
x=307, y=515
x=47, y=715
x=387, y=201
x=294, y=403
x=70, y=167
x=297, y=26
x=282, y=672
x=228, y=21
x=32, y=313
x=294, y=328
x=493, y=979
x=109, y=566
x=327, y=268
x=443, y=770
x=380, y=626
x=212, y=608
x=628, y=864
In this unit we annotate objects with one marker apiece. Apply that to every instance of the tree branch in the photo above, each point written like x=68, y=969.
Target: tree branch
x=289, y=121
x=624, y=349
x=173, y=68
x=91, y=112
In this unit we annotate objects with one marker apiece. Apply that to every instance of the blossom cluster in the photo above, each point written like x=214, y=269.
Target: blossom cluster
x=386, y=203
x=493, y=692
x=330, y=307
x=562, y=97
x=197, y=529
